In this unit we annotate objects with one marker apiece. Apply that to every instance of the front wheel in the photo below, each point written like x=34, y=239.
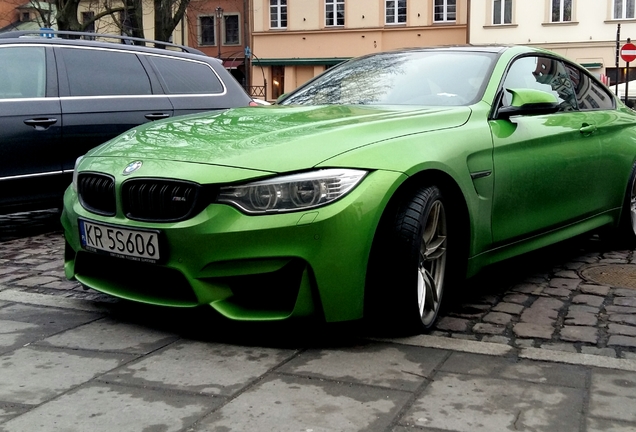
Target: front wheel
x=411, y=277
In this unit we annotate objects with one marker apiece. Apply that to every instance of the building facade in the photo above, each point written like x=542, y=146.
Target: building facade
x=220, y=28
x=582, y=30
x=295, y=40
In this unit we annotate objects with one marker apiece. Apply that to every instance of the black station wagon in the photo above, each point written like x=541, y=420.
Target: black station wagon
x=63, y=93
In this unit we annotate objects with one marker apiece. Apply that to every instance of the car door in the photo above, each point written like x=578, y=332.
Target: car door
x=30, y=126
x=194, y=85
x=546, y=166
x=614, y=129
x=104, y=92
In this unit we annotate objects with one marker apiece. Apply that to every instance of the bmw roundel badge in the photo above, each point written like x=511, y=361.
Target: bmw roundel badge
x=132, y=167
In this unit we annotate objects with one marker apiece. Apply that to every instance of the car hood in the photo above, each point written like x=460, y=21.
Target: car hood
x=277, y=138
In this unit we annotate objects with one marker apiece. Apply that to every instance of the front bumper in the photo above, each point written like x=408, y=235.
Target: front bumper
x=268, y=267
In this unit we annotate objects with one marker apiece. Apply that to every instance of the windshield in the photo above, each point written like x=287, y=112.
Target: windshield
x=436, y=78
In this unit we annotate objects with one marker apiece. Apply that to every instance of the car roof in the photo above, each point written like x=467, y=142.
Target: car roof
x=85, y=39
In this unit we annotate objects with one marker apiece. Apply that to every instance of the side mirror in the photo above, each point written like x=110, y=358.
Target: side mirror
x=529, y=102
x=280, y=98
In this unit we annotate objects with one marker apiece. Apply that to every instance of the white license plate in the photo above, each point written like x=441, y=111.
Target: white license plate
x=138, y=245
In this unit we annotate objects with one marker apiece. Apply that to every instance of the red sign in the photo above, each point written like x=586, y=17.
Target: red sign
x=628, y=52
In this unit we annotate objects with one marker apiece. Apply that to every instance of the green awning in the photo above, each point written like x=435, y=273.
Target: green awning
x=592, y=65
x=299, y=61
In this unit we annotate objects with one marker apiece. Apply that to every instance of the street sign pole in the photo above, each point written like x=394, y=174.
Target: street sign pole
x=628, y=54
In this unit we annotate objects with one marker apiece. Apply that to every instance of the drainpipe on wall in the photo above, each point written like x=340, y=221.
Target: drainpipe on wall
x=468, y=22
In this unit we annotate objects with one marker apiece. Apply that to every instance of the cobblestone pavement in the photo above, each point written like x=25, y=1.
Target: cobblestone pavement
x=579, y=296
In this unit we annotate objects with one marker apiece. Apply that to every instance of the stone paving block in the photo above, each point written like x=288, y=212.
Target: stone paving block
x=612, y=395
x=594, y=289
x=495, y=405
x=588, y=299
x=570, y=284
x=624, y=292
x=213, y=369
x=607, y=352
x=561, y=375
x=620, y=309
x=559, y=347
x=485, y=328
x=604, y=425
x=496, y=339
x=529, y=330
x=626, y=341
x=625, y=301
x=516, y=298
x=49, y=266
x=497, y=318
x=584, y=308
x=23, y=324
x=580, y=318
x=291, y=404
x=534, y=289
x=36, y=281
x=510, y=308
x=623, y=318
x=10, y=410
x=452, y=324
x=469, y=337
x=547, y=303
x=8, y=269
x=621, y=329
x=108, y=334
x=401, y=367
x=33, y=375
x=99, y=407
x=539, y=316
x=559, y=292
x=579, y=334
x=567, y=274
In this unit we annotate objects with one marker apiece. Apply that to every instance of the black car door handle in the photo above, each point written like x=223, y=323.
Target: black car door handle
x=157, y=116
x=40, y=123
x=587, y=129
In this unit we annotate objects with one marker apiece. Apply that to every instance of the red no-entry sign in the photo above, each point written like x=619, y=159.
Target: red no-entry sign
x=628, y=52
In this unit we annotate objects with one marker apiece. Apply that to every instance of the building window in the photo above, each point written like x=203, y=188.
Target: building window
x=395, y=11
x=561, y=10
x=444, y=10
x=623, y=9
x=334, y=12
x=502, y=12
x=278, y=14
x=232, y=33
x=207, y=31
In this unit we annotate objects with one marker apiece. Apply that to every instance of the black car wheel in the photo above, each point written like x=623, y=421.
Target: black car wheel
x=408, y=281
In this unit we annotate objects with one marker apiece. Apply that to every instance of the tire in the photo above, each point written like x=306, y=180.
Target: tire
x=410, y=271
x=627, y=226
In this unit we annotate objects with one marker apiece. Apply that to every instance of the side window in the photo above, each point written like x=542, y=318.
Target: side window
x=94, y=72
x=589, y=94
x=22, y=72
x=186, y=77
x=541, y=73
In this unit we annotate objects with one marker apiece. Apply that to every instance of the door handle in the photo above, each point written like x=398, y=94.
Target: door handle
x=587, y=129
x=156, y=116
x=40, y=124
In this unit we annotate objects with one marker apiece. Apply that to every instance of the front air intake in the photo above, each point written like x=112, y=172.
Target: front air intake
x=157, y=200
x=97, y=193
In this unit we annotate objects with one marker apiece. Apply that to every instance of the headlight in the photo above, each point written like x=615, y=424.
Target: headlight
x=77, y=162
x=292, y=192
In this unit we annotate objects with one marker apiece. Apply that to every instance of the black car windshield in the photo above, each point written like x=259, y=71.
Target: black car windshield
x=433, y=78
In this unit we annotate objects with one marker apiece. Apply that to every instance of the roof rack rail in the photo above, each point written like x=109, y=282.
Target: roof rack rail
x=129, y=40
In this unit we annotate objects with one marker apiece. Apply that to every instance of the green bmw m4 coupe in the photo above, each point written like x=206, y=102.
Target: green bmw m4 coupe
x=367, y=192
